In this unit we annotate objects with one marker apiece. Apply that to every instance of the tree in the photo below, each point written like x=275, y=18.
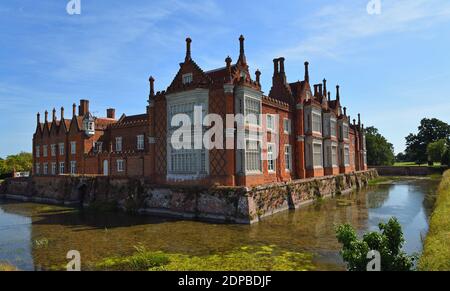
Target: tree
x=430, y=130
x=436, y=150
x=401, y=157
x=388, y=242
x=21, y=163
x=379, y=151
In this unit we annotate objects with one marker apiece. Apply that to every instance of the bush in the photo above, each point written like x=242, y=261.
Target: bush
x=388, y=243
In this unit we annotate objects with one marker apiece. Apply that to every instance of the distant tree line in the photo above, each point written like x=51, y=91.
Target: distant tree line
x=430, y=145
x=20, y=163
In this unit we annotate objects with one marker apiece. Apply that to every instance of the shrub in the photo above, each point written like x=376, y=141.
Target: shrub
x=388, y=242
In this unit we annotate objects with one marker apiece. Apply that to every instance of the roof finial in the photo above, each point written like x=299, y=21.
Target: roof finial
x=62, y=113
x=359, y=119
x=38, y=118
x=54, y=114
x=258, y=76
x=188, y=49
x=228, y=61
x=46, y=116
x=74, y=110
x=307, y=72
x=242, y=58
x=345, y=111
x=325, y=87
x=152, y=87
x=338, y=96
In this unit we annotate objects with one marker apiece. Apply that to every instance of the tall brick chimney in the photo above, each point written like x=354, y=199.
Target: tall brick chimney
x=111, y=113
x=62, y=113
x=188, y=49
x=307, y=72
x=83, y=109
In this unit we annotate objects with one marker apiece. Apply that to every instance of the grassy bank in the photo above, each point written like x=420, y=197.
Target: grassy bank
x=7, y=267
x=265, y=258
x=436, y=254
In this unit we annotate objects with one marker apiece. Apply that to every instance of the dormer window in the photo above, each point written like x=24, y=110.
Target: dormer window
x=89, y=125
x=187, y=78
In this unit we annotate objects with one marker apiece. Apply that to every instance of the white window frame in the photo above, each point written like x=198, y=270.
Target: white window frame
x=271, y=160
x=333, y=129
x=252, y=106
x=120, y=166
x=288, y=157
x=62, y=169
x=53, y=150
x=316, y=119
x=253, y=160
x=334, y=155
x=119, y=144
x=140, y=140
x=45, y=151
x=315, y=163
x=53, y=168
x=287, y=126
x=270, y=122
x=73, y=147
x=346, y=156
x=45, y=168
x=73, y=167
x=61, y=148
x=187, y=78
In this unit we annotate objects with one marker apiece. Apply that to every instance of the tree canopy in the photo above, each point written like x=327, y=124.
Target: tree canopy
x=430, y=130
x=379, y=151
x=21, y=163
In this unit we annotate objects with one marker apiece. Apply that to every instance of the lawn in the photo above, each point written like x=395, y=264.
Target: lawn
x=413, y=164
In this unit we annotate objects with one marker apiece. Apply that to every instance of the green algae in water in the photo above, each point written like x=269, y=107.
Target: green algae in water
x=247, y=258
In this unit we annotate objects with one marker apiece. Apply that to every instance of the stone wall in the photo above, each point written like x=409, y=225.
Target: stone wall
x=225, y=204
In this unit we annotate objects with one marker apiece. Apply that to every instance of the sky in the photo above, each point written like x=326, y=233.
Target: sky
x=393, y=67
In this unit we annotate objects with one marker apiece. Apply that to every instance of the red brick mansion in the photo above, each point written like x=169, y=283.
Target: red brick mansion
x=315, y=136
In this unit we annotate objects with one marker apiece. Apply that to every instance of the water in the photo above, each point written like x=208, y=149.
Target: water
x=35, y=236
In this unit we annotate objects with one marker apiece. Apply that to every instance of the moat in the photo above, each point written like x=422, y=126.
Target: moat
x=36, y=236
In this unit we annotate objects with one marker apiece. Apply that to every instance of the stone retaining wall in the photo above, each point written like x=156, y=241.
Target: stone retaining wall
x=225, y=204
x=408, y=170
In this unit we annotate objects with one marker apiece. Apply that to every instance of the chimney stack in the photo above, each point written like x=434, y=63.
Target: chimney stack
x=320, y=90
x=46, y=116
x=359, y=119
x=315, y=89
x=306, y=72
x=329, y=96
x=275, y=67
x=83, y=109
x=242, y=57
x=111, y=113
x=54, y=114
x=345, y=111
x=188, y=49
x=152, y=87
x=62, y=113
x=38, y=118
x=74, y=109
x=338, y=96
x=325, y=87
x=281, y=65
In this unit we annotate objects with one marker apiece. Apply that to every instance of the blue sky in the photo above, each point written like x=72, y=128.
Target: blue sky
x=393, y=68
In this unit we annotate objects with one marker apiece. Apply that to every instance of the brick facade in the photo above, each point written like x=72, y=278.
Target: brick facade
x=314, y=134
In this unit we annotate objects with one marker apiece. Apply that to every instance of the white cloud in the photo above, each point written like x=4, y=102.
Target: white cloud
x=332, y=28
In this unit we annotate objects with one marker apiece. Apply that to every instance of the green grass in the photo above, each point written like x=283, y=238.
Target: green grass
x=413, y=164
x=384, y=180
x=436, y=254
x=265, y=258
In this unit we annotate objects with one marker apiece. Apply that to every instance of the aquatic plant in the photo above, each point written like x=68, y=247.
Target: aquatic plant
x=246, y=258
